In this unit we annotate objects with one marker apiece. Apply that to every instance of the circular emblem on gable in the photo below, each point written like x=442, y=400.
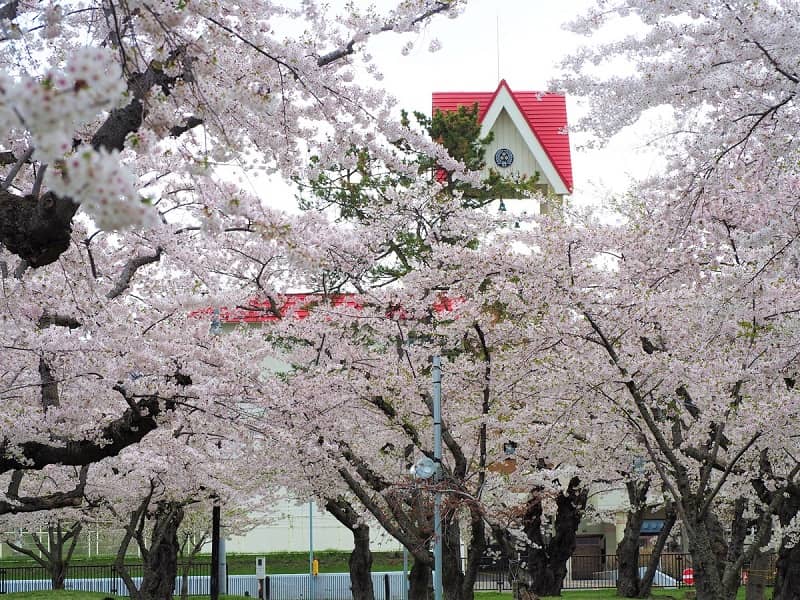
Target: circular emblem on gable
x=503, y=158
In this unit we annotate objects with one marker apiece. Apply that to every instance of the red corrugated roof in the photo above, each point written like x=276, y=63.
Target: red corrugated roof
x=261, y=310
x=545, y=112
x=298, y=305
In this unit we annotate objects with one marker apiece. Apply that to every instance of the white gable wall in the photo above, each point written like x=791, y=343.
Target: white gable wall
x=507, y=136
x=504, y=103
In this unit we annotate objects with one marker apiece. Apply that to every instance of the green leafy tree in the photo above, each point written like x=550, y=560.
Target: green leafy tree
x=366, y=182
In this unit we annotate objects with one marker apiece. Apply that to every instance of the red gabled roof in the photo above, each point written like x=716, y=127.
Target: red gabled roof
x=545, y=112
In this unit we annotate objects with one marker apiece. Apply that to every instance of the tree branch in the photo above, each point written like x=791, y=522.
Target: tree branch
x=25, y=504
x=134, y=424
x=349, y=47
x=129, y=271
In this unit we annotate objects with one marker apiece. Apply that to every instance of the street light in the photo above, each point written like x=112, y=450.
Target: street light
x=219, y=568
x=425, y=468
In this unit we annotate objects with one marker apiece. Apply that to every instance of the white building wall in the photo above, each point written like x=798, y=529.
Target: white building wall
x=285, y=528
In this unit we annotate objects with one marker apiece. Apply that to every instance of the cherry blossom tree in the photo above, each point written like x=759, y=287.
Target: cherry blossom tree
x=62, y=529
x=725, y=75
x=152, y=488
x=115, y=121
x=400, y=236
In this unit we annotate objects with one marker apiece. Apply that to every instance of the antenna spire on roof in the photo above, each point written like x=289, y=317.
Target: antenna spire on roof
x=497, y=43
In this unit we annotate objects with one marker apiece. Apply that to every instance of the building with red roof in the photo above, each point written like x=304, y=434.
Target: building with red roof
x=530, y=132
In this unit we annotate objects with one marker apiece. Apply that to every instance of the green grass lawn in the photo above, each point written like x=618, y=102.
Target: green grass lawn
x=581, y=595
x=674, y=594
x=330, y=561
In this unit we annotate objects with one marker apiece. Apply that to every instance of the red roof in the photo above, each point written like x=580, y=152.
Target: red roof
x=298, y=306
x=261, y=310
x=545, y=112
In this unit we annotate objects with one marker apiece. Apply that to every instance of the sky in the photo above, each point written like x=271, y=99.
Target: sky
x=521, y=41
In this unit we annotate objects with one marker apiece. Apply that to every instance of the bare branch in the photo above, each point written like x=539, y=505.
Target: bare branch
x=129, y=271
x=15, y=169
x=349, y=47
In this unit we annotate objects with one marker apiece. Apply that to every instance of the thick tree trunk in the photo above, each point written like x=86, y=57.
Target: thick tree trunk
x=628, y=582
x=36, y=229
x=706, y=561
x=160, y=566
x=758, y=577
x=420, y=581
x=360, y=561
x=787, y=580
x=58, y=574
x=787, y=577
x=647, y=580
x=452, y=575
x=547, y=562
x=360, y=565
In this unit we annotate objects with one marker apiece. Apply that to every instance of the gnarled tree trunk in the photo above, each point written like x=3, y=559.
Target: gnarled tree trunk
x=628, y=582
x=787, y=577
x=159, y=557
x=547, y=561
x=787, y=580
x=161, y=560
x=708, y=550
x=360, y=561
x=420, y=580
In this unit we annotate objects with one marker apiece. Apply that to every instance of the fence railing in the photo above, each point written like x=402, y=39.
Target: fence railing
x=583, y=572
x=599, y=571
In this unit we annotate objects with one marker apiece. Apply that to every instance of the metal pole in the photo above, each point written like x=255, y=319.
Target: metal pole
x=222, y=574
x=405, y=573
x=214, y=584
x=215, y=552
x=437, y=457
x=311, y=549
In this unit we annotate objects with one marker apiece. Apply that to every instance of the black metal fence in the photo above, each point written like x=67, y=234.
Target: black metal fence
x=599, y=571
x=596, y=571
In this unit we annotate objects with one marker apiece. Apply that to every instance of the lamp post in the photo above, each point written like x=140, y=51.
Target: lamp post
x=425, y=468
x=313, y=583
x=219, y=569
x=214, y=583
x=436, y=375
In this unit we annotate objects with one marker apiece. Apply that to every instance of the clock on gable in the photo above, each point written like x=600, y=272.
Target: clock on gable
x=504, y=158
